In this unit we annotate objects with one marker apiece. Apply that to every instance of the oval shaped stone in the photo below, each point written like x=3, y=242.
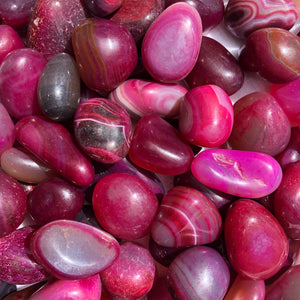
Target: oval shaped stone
x=241, y=173
x=7, y=130
x=172, y=43
x=256, y=244
x=73, y=250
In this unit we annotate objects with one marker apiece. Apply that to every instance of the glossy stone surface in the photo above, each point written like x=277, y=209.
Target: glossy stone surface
x=273, y=53
x=105, y=52
x=9, y=40
x=199, y=273
x=186, y=217
x=82, y=289
x=13, y=203
x=24, y=293
x=206, y=116
x=243, y=17
x=172, y=43
x=211, y=11
x=244, y=288
x=59, y=88
x=287, y=201
x=7, y=130
x=6, y=289
x=138, y=15
x=131, y=275
x=143, y=97
x=51, y=25
x=240, y=173
x=19, y=75
x=260, y=125
x=103, y=129
x=53, y=144
x=216, y=65
x=256, y=244
x=17, y=264
x=102, y=8
x=21, y=164
x=157, y=146
x=54, y=199
x=124, y=205
x=73, y=250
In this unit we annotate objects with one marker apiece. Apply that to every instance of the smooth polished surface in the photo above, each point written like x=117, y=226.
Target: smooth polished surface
x=172, y=43
x=105, y=52
x=102, y=8
x=7, y=130
x=256, y=244
x=73, y=250
x=198, y=273
x=243, y=17
x=53, y=143
x=241, y=173
x=186, y=217
x=157, y=146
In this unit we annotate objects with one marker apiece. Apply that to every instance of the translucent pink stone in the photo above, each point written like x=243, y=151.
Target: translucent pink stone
x=206, y=116
x=22, y=165
x=124, y=205
x=81, y=289
x=7, y=130
x=73, y=250
x=141, y=97
x=186, y=218
x=157, y=146
x=256, y=244
x=131, y=275
x=240, y=173
x=17, y=263
x=53, y=143
x=172, y=43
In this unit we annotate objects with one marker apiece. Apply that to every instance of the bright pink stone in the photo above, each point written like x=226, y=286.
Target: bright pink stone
x=241, y=173
x=172, y=43
x=206, y=116
x=256, y=244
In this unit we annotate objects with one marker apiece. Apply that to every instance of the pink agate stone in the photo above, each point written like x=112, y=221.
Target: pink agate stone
x=141, y=97
x=256, y=244
x=7, y=130
x=172, y=43
x=53, y=144
x=240, y=173
x=73, y=250
x=206, y=116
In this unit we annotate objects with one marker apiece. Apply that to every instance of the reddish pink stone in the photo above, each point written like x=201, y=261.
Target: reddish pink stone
x=256, y=244
x=206, y=116
x=7, y=130
x=102, y=8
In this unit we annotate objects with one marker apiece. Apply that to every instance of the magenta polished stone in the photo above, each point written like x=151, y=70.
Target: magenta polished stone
x=9, y=40
x=82, y=289
x=103, y=129
x=105, y=52
x=138, y=15
x=53, y=144
x=256, y=244
x=241, y=173
x=22, y=165
x=186, y=217
x=157, y=146
x=102, y=8
x=243, y=17
x=124, y=205
x=19, y=74
x=13, y=204
x=51, y=25
x=287, y=201
x=216, y=65
x=244, y=288
x=73, y=250
x=198, y=273
x=260, y=125
x=206, y=116
x=131, y=275
x=17, y=264
x=141, y=97
x=172, y=43
x=273, y=53
x=7, y=130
